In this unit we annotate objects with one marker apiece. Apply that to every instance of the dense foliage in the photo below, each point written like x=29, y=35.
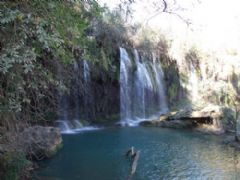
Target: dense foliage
x=40, y=40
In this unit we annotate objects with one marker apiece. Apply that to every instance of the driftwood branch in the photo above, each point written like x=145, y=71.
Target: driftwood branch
x=186, y=21
x=166, y=10
x=130, y=152
x=134, y=156
x=135, y=162
x=165, y=5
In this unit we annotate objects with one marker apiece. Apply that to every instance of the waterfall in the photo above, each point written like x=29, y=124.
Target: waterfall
x=73, y=127
x=76, y=91
x=125, y=85
x=62, y=99
x=87, y=89
x=193, y=81
x=86, y=72
x=77, y=124
x=72, y=124
x=162, y=101
x=142, y=92
x=142, y=84
x=64, y=125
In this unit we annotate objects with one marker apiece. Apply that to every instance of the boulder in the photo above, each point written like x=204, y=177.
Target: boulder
x=33, y=143
x=215, y=119
x=178, y=115
x=176, y=124
x=164, y=117
x=40, y=142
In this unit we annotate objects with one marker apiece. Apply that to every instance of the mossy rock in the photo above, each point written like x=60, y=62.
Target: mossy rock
x=40, y=142
x=14, y=165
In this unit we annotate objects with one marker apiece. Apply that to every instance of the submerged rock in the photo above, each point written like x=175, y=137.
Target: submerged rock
x=40, y=142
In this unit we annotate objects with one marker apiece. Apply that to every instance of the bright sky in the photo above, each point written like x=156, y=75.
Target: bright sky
x=216, y=23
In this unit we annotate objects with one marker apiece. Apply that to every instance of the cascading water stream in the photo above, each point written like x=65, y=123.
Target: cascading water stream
x=71, y=126
x=193, y=81
x=76, y=91
x=141, y=83
x=125, y=85
x=159, y=75
x=62, y=105
x=87, y=89
x=64, y=126
x=86, y=71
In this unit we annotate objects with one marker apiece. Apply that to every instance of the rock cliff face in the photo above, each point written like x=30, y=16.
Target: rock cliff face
x=201, y=80
x=196, y=80
x=93, y=93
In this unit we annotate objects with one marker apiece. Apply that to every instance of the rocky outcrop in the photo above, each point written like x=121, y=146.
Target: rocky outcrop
x=215, y=119
x=176, y=124
x=18, y=148
x=40, y=142
x=199, y=78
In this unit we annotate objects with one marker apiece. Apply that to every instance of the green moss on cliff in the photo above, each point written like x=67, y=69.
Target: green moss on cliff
x=41, y=40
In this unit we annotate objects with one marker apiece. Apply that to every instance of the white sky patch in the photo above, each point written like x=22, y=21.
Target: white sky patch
x=216, y=23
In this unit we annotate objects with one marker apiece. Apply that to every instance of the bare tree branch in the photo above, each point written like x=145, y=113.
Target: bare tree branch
x=166, y=9
x=187, y=21
x=165, y=5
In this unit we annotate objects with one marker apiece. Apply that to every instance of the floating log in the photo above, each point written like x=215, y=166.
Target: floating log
x=130, y=152
x=135, y=163
x=134, y=157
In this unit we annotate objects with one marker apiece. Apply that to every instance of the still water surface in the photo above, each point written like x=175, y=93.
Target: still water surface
x=165, y=154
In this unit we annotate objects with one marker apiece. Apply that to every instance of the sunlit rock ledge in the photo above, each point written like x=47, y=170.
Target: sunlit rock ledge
x=211, y=119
